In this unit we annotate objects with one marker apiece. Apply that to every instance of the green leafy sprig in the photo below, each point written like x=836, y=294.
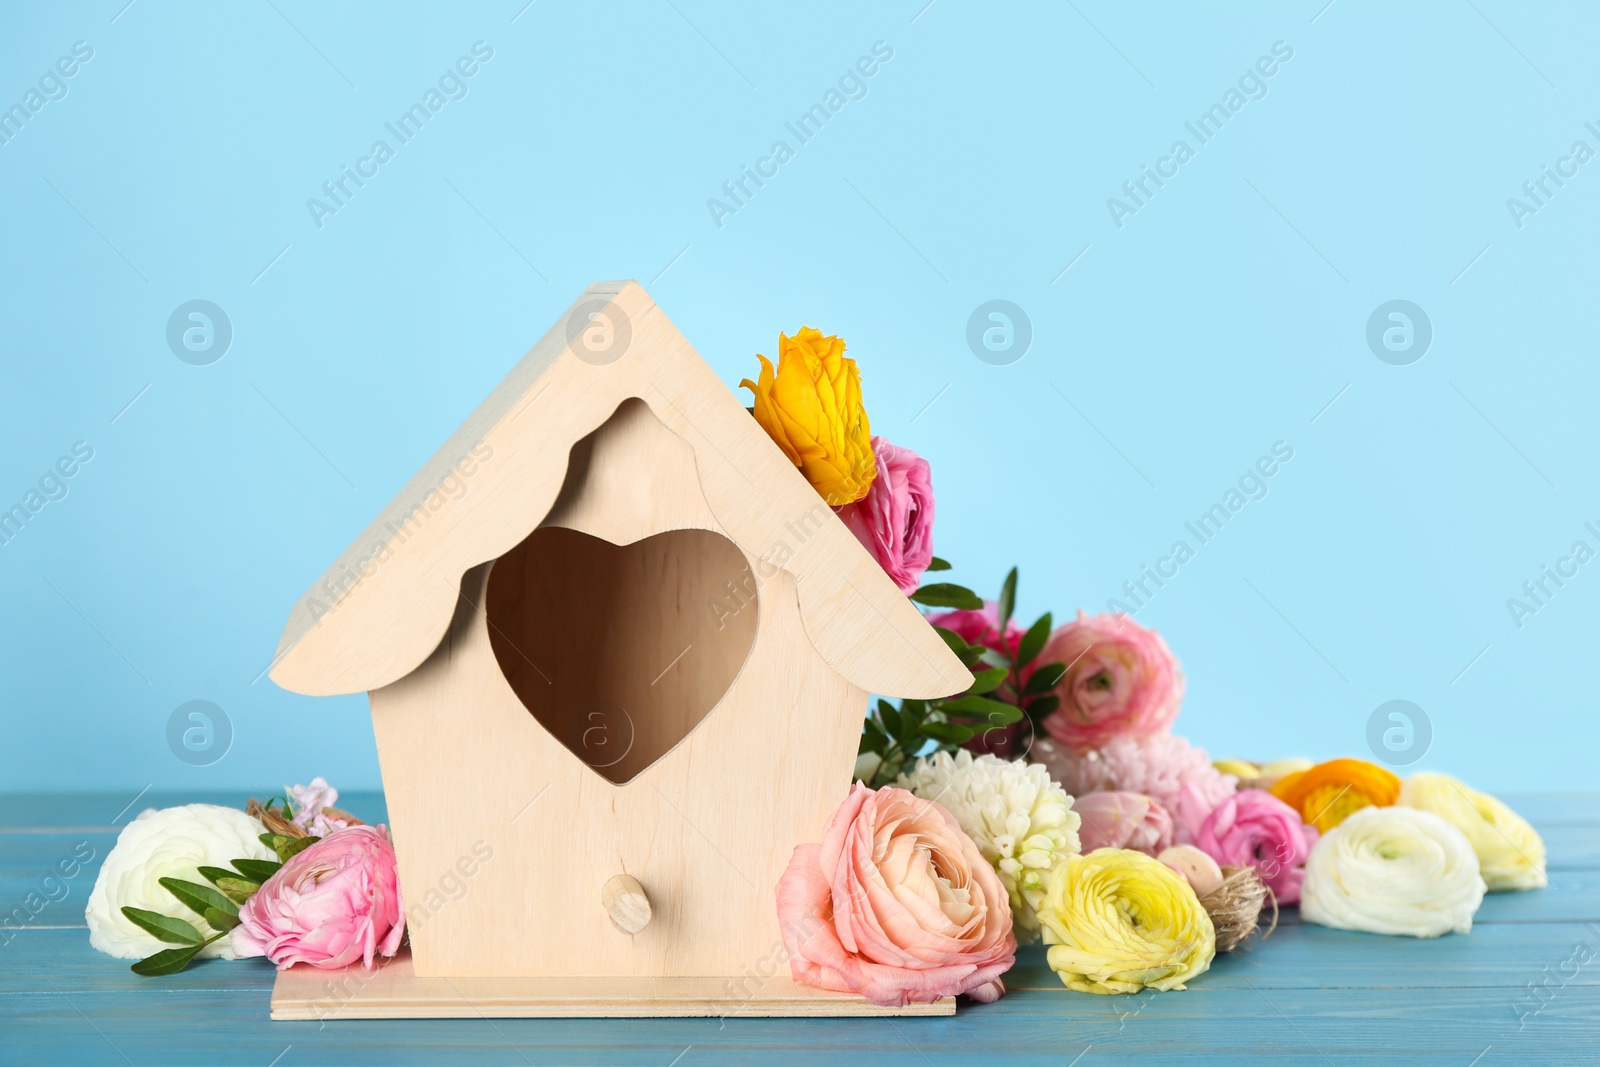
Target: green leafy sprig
x=997, y=698
x=217, y=904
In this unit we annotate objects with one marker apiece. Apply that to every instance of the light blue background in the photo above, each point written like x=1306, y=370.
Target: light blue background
x=1223, y=317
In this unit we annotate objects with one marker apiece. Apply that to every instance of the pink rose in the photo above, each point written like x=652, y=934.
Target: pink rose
x=1121, y=681
x=896, y=904
x=1253, y=828
x=1122, y=820
x=336, y=902
x=895, y=519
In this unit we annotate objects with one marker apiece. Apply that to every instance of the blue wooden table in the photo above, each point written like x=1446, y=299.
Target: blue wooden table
x=1522, y=988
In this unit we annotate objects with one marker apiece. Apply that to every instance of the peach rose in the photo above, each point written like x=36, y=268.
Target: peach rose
x=896, y=904
x=1121, y=681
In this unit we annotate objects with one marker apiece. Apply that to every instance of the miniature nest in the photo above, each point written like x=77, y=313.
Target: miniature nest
x=1235, y=907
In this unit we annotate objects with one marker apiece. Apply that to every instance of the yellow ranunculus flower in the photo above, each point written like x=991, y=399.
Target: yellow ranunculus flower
x=1510, y=851
x=812, y=408
x=1119, y=921
x=1243, y=770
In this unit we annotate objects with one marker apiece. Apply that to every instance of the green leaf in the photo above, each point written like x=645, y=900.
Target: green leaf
x=1039, y=707
x=238, y=890
x=235, y=886
x=937, y=564
x=1005, y=716
x=211, y=874
x=199, y=898
x=988, y=681
x=167, y=961
x=948, y=732
x=892, y=721
x=295, y=845
x=945, y=595
x=273, y=841
x=1008, y=599
x=1044, y=678
x=910, y=722
x=957, y=643
x=164, y=927
x=994, y=659
x=221, y=920
x=256, y=870
x=1033, y=641
x=873, y=739
x=996, y=712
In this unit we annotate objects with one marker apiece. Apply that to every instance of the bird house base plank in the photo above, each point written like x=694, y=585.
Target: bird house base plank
x=393, y=991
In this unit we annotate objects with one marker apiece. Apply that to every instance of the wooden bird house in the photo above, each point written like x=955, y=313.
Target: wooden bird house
x=618, y=652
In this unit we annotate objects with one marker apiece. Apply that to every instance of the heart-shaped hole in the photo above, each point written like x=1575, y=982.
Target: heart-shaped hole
x=620, y=651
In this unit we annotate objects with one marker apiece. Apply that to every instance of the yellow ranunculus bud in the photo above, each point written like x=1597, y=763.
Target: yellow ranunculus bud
x=812, y=408
x=1119, y=921
x=1510, y=851
x=1244, y=770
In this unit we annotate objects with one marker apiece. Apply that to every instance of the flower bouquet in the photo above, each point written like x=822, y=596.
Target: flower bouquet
x=1131, y=853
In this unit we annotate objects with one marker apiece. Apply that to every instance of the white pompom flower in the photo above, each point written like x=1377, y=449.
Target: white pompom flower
x=1393, y=870
x=1019, y=818
x=1510, y=851
x=166, y=843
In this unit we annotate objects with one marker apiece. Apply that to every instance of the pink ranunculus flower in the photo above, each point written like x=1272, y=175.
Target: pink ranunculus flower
x=896, y=904
x=895, y=519
x=1253, y=828
x=1122, y=820
x=1121, y=681
x=334, y=903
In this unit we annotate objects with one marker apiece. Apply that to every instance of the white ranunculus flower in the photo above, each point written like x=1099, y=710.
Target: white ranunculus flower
x=1393, y=871
x=171, y=842
x=1019, y=818
x=1510, y=851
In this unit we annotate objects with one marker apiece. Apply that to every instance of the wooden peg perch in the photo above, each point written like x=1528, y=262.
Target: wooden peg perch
x=626, y=903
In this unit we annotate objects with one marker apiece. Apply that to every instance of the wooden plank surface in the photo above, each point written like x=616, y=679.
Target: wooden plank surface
x=1308, y=996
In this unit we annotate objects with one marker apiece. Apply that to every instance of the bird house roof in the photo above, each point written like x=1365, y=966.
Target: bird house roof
x=384, y=605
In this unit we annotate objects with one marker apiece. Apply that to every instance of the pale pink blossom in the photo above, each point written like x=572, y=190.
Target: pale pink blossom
x=309, y=802
x=1121, y=681
x=1123, y=820
x=1164, y=767
x=335, y=902
x=896, y=904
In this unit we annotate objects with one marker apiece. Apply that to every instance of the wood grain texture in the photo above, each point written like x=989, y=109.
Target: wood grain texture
x=479, y=785
x=1318, y=998
x=394, y=991
x=384, y=605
